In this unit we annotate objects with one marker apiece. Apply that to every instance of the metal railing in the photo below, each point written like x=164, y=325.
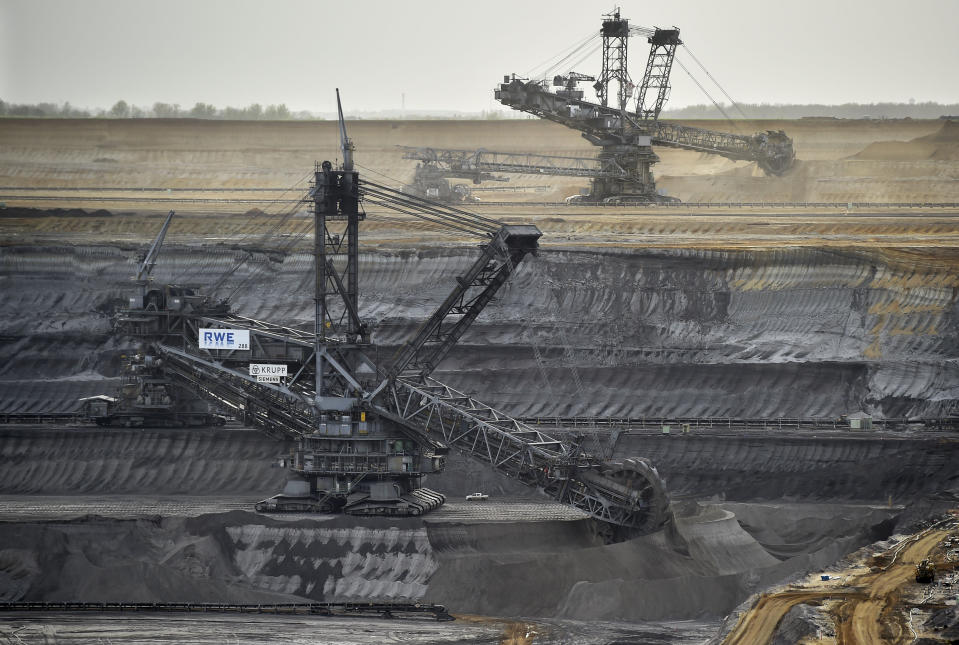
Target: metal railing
x=733, y=423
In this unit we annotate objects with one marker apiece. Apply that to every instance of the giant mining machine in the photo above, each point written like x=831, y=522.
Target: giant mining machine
x=624, y=124
x=365, y=432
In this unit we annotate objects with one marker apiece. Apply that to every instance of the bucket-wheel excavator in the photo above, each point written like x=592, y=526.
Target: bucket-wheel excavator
x=367, y=432
x=625, y=134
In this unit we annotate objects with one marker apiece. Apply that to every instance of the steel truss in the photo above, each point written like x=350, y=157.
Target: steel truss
x=473, y=291
x=354, y=408
x=562, y=469
x=772, y=150
x=437, y=415
x=615, y=34
x=477, y=163
x=656, y=78
x=627, y=136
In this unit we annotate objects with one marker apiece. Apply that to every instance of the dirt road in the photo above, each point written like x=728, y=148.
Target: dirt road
x=873, y=617
x=758, y=625
x=867, y=615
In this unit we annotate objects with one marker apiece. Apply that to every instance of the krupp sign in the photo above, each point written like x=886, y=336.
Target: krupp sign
x=266, y=369
x=224, y=338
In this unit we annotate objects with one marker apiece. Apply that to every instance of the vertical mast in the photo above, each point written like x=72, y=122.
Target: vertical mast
x=350, y=207
x=150, y=257
x=335, y=199
x=320, y=207
x=346, y=146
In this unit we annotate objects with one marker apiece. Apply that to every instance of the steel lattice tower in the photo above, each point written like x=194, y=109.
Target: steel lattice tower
x=615, y=33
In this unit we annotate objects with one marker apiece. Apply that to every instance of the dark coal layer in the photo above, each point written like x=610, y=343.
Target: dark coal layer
x=203, y=461
x=825, y=468
x=793, y=332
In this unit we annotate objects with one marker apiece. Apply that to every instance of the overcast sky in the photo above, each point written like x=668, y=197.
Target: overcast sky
x=448, y=55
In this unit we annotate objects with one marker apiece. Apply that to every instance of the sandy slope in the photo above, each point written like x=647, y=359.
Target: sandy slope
x=187, y=152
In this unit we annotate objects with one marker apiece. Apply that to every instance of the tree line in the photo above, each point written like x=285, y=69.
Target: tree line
x=123, y=110
x=280, y=112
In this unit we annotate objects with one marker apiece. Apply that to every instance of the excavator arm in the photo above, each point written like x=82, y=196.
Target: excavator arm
x=150, y=257
x=771, y=150
x=460, y=163
x=626, y=497
x=474, y=290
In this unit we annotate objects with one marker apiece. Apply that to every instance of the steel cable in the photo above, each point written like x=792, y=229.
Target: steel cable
x=726, y=94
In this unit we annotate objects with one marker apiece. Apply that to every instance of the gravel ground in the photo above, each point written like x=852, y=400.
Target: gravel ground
x=239, y=630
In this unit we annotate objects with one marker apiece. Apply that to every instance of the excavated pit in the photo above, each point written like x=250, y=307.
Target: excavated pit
x=712, y=314
x=680, y=332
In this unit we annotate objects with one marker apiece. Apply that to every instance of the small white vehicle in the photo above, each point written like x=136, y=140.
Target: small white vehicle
x=477, y=497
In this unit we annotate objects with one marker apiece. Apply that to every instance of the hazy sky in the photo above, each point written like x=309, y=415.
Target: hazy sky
x=448, y=55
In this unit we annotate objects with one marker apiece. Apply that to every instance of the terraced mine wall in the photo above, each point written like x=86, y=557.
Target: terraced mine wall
x=108, y=461
x=796, y=332
x=682, y=332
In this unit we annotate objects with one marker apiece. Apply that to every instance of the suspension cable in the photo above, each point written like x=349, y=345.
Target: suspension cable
x=554, y=61
x=257, y=270
x=718, y=106
x=587, y=54
x=270, y=232
x=726, y=94
x=248, y=229
x=377, y=172
x=428, y=209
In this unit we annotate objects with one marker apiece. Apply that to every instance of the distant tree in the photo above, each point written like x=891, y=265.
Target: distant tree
x=3, y=108
x=255, y=111
x=166, y=110
x=277, y=112
x=233, y=113
x=137, y=112
x=120, y=110
x=203, y=111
